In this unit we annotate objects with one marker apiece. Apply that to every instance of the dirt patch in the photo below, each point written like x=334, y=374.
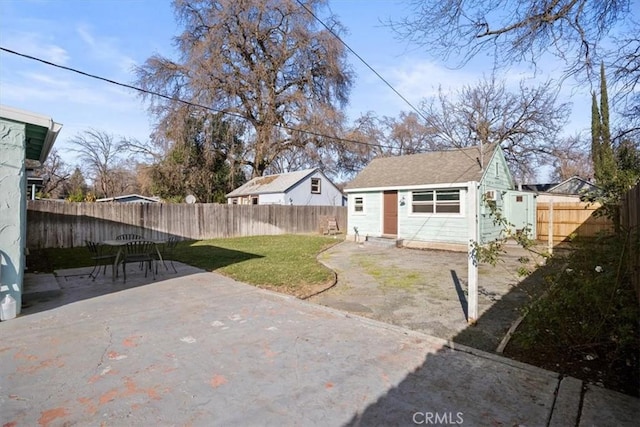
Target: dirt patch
x=426, y=291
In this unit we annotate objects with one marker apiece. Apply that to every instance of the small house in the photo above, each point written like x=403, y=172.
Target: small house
x=568, y=191
x=440, y=199
x=308, y=187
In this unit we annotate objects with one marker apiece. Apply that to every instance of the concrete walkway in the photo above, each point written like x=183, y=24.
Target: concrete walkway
x=200, y=349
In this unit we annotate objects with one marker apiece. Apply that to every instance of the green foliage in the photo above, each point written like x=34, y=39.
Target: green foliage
x=76, y=195
x=604, y=164
x=492, y=252
x=197, y=162
x=591, y=310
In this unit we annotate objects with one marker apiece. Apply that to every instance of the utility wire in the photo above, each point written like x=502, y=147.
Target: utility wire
x=192, y=104
x=361, y=59
x=418, y=112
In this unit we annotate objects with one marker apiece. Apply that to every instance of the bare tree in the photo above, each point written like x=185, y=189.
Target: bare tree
x=514, y=30
x=54, y=173
x=98, y=153
x=264, y=62
x=626, y=66
x=571, y=157
x=526, y=123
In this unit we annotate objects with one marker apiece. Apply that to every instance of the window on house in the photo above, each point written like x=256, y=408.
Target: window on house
x=358, y=204
x=254, y=200
x=315, y=185
x=436, y=201
x=519, y=199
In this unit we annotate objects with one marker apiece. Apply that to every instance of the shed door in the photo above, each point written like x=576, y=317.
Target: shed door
x=520, y=214
x=390, y=213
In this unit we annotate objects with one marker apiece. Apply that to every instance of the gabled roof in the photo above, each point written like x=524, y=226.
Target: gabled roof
x=269, y=184
x=435, y=167
x=573, y=185
x=538, y=188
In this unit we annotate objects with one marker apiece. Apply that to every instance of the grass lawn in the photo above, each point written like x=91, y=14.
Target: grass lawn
x=285, y=263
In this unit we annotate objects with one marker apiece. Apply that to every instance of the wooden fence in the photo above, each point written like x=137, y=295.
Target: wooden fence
x=570, y=219
x=630, y=221
x=63, y=225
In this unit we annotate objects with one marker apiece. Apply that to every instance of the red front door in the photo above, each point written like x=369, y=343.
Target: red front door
x=390, y=213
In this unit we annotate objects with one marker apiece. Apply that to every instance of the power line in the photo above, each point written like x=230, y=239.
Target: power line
x=361, y=59
x=418, y=112
x=182, y=101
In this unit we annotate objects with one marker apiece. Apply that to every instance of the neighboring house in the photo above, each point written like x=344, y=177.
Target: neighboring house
x=433, y=199
x=23, y=136
x=568, y=191
x=308, y=187
x=129, y=198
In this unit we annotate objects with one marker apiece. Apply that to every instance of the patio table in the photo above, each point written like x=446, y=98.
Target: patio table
x=120, y=244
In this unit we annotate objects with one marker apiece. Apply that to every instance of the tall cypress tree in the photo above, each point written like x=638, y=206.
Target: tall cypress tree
x=604, y=164
x=595, y=137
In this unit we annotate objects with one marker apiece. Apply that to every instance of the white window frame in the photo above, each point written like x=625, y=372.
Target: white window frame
x=356, y=204
x=319, y=185
x=434, y=202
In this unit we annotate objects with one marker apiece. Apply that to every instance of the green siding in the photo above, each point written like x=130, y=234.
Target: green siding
x=498, y=178
x=369, y=223
x=432, y=228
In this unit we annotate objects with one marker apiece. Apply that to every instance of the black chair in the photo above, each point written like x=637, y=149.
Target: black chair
x=167, y=253
x=129, y=236
x=99, y=256
x=140, y=251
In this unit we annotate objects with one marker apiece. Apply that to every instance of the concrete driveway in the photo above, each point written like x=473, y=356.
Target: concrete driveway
x=426, y=290
x=199, y=349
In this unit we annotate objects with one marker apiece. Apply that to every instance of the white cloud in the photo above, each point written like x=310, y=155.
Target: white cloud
x=33, y=44
x=105, y=49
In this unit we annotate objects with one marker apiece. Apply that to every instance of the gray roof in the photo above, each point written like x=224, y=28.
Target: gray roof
x=435, y=167
x=573, y=185
x=278, y=183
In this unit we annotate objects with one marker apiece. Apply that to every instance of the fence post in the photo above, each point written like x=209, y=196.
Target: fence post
x=550, y=228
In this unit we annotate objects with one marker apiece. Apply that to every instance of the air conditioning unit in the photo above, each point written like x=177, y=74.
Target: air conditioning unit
x=492, y=195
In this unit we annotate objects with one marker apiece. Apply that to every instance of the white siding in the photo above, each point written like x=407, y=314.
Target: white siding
x=301, y=195
x=272, y=199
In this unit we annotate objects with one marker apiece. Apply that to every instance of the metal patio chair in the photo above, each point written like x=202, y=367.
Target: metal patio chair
x=99, y=255
x=129, y=236
x=140, y=251
x=167, y=253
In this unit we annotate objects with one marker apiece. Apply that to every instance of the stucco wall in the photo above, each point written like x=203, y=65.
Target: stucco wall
x=13, y=209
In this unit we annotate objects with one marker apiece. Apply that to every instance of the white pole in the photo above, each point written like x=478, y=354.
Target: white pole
x=550, y=228
x=472, y=279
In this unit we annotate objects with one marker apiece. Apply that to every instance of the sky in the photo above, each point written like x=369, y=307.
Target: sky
x=110, y=37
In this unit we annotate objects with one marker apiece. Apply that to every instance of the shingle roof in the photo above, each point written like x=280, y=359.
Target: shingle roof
x=436, y=167
x=278, y=183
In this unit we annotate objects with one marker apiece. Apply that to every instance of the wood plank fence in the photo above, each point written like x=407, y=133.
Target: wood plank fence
x=630, y=222
x=63, y=225
x=569, y=220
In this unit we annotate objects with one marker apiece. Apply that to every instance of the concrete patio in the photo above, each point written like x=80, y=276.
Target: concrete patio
x=197, y=348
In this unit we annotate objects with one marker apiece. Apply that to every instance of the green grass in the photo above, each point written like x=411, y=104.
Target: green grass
x=390, y=276
x=272, y=261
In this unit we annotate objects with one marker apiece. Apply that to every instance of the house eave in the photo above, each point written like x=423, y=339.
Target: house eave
x=407, y=187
